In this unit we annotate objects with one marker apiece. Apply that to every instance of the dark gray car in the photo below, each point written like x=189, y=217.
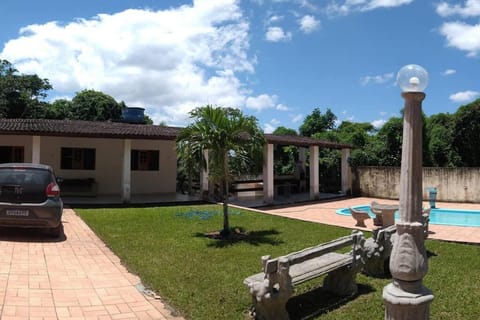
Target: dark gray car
x=30, y=197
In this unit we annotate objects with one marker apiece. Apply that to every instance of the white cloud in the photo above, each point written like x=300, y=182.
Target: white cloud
x=282, y=107
x=378, y=123
x=168, y=61
x=276, y=34
x=449, y=72
x=464, y=96
x=271, y=126
x=59, y=97
x=375, y=4
x=268, y=128
x=347, y=6
x=462, y=36
x=470, y=8
x=309, y=23
x=378, y=79
x=274, y=19
x=308, y=5
x=275, y=121
x=297, y=118
x=263, y=101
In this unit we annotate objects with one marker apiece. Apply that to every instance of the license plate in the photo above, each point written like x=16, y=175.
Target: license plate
x=17, y=212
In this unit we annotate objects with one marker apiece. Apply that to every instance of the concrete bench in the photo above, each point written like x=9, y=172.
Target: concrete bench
x=377, y=250
x=272, y=288
x=247, y=188
x=78, y=187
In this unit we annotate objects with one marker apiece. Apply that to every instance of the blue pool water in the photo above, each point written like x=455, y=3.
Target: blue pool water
x=451, y=217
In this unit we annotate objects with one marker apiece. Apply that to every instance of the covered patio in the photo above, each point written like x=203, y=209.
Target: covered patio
x=273, y=189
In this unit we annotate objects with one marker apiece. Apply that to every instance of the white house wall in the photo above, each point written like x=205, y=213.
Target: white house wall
x=162, y=181
x=108, y=163
x=108, y=166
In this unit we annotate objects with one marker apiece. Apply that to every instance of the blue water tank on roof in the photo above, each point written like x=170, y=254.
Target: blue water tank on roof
x=133, y=115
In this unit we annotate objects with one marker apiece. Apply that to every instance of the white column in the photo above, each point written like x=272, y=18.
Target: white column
x=346, y=174
x=314, y=173
x=268, y=174
x=36, y=149
x=126, y=174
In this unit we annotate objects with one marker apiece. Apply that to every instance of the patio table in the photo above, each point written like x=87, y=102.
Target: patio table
x=385, y=212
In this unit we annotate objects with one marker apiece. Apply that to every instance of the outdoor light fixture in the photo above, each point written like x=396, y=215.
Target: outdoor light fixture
x=406, y=297
x=412, y=78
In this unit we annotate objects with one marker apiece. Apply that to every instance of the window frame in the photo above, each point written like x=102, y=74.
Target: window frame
x=72, y=158
x=145, y=160
x=13, y=153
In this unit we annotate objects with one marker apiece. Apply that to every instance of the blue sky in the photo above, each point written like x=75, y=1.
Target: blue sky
x=275, y=59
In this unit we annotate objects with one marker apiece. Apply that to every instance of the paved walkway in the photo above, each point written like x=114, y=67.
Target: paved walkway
x=76, y=277
x=324, y=212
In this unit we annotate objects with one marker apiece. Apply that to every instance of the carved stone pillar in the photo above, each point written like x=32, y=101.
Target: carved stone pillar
x=406, y=297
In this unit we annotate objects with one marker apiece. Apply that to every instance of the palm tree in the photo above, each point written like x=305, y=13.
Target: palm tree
x=226, y=134
x=189, y=164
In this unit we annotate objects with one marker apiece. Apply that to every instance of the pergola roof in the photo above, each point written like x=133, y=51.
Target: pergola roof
x=301, y=141
x=120, y=130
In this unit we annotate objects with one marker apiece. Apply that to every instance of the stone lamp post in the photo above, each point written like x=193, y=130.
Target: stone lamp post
x=406, y=298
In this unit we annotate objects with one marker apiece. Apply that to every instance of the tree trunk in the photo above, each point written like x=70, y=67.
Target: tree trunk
x=226, y=224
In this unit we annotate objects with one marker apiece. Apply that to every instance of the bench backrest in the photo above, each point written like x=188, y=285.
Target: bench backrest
x=313, y=252
x=384, y=233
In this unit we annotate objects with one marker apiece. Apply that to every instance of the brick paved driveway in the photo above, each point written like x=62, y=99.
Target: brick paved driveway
x=75, y=277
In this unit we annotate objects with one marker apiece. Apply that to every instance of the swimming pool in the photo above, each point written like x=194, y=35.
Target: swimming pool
x=451, y=217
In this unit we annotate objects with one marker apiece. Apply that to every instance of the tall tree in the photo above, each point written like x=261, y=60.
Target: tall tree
x=316, y=122
x=60, y=109
x=284, y=131
x=360, y=135
x=285, y=156
x=356, y=134
x=390, y=140
x=466, y=134
x=21, y=96
x=94, y=105
x=440, y=140
x=225, y=133
x=189, y=164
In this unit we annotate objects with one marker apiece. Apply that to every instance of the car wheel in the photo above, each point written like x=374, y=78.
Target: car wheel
x=56, y=231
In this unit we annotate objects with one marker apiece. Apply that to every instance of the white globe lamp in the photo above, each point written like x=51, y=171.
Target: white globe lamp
x=412, y=78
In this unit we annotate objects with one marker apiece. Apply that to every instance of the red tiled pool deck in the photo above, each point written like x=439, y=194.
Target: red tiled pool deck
x=324, y=212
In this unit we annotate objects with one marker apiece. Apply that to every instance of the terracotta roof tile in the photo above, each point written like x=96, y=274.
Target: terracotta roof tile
x=120, y=130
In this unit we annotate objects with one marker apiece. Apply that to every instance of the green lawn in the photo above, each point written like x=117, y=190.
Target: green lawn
x=203, y=278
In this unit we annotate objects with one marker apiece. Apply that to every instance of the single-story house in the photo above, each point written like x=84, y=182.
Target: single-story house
x=125, y=159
